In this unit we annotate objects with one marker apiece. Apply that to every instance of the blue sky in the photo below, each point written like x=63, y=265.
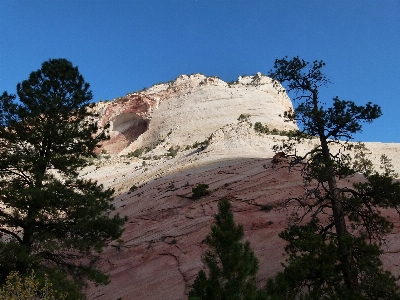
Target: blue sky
x=124, y=45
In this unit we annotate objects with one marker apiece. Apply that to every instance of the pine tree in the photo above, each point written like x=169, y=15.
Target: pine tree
x=51, y=220
x=232, y=265
x=334, y=239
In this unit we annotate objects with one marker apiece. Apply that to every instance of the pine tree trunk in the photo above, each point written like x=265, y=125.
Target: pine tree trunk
x=33, y=210
x=349, y=273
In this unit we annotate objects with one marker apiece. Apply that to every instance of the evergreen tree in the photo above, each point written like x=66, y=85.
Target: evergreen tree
x=334, y=239
x=51, y=220
x=232, y=265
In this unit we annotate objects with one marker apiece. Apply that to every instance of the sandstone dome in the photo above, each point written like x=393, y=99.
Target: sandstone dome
x=190, y=109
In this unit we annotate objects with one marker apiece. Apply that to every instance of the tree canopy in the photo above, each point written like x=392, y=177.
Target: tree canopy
x=232, y=265
x=51, y=220
x=334, y=238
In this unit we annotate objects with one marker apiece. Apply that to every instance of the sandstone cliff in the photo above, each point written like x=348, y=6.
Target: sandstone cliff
x=189, y=109
x=161, y=248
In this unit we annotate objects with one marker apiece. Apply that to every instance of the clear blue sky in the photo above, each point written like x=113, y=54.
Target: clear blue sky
x=124, y=45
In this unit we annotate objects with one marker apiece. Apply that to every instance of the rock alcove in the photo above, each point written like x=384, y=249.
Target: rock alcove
x=126, y=128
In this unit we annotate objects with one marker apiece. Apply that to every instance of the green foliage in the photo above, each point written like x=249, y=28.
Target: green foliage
x=260, y=128
x=233, y=82
x=137, y=153
x=28, y=288
x=52, y=224
x=244, y=117
x=292, y=134
x=196, y=145
x=275, y=131
x=202, y=145
x=232, y=265
x=200, y=190
x=173, y=151
x=333, y=241
x=133, y=188
x=313, y=269
x=339, y=121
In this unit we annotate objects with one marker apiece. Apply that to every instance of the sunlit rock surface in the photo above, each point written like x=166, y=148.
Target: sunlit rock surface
x=190, y=109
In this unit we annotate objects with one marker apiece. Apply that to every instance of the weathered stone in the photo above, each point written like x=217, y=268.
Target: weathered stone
x=162, y=246
x=178, y=110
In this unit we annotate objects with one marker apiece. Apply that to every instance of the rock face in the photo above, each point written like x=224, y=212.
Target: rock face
x=161, y=251
x=190, y=109
x=232, y=141
x=162, y=246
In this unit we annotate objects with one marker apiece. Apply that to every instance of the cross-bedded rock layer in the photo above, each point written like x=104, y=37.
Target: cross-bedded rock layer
x=162, y=246
x=190, y=109
x=160, y=254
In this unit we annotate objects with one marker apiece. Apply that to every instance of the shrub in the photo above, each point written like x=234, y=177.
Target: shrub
x=244, y=117
x=267, y=207
x=275, y=131
x=233, y=82
x=137, y=153
x=200, y=190
x=202, y=144
x=173, y=151
x=28, y=288
x=258, y=127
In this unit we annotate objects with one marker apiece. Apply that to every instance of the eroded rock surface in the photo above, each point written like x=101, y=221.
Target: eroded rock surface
x=190, y=109
x=162, y=246
x=160, y=254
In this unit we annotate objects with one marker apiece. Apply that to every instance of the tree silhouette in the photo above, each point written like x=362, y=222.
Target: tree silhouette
x=232, y=265
x=51, y=220
x=335, y=234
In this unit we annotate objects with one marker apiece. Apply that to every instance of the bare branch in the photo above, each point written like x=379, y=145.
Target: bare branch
x=13, y=234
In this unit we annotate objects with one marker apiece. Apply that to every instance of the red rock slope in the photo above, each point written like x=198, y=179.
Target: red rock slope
x=161, y=253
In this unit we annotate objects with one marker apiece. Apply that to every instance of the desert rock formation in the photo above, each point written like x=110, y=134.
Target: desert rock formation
x=178, y=109
x=161, y=248
x=161, y=251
